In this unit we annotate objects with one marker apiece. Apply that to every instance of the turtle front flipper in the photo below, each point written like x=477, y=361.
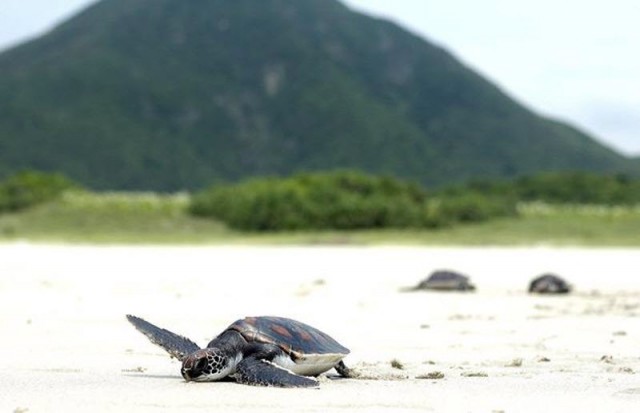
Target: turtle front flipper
x=262, y=372
x=177, y=346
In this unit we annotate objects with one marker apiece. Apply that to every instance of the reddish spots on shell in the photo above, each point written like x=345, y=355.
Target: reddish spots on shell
x=281, y=330
x=305, y=336
x=293, y=337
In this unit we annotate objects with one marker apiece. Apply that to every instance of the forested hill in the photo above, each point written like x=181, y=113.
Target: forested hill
x=174, y=94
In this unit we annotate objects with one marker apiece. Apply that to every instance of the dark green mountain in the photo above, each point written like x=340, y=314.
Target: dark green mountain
x=170, y=94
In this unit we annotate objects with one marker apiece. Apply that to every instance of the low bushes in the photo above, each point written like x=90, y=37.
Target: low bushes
x=348, y=200
x=559, y=188
x=469, y=207
x=579, y=188
x=30, y=188
x=339, y=200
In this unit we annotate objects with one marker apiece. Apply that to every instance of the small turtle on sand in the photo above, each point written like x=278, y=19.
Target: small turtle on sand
x=443, y=280
x=549, y=284
x=261, y=351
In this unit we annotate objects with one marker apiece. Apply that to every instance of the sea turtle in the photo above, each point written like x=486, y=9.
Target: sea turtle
x=262, y=351
x=444, y=280
x=549, y=284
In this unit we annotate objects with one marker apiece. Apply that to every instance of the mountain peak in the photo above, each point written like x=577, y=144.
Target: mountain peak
x=173, y=94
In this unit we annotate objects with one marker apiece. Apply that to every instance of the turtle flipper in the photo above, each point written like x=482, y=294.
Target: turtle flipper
x=262, y=372
x=177, y=346
x=343, y=370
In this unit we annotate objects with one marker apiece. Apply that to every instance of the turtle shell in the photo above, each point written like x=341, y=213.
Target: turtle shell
x=446, y=281
x=549, y=284
x=300, y=341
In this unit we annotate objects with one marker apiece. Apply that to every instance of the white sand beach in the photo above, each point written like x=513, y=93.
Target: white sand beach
x=66, y=345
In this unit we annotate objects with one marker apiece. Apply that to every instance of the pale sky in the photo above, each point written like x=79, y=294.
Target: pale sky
x=575, y=60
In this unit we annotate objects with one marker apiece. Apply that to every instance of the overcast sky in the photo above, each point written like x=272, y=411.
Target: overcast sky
x=576, y=60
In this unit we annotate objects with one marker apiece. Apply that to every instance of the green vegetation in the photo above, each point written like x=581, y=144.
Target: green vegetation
x=141, y=218
x=125, y=217
x=175, y=95
x=31, y=188
x=579, y=188
x=559, y=188
x=340, y=200
x=112, y=217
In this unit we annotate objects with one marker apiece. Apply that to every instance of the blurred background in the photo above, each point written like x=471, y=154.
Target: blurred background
x=319, y=121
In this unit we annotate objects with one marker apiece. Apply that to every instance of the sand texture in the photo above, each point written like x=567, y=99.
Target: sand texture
x=67, y=347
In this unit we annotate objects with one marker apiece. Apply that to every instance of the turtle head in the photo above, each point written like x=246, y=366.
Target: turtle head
x=209, y=364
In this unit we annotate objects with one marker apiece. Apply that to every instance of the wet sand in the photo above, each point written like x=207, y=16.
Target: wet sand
x=67, y=346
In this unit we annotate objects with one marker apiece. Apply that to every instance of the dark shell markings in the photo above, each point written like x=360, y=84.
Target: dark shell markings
x=293, y=337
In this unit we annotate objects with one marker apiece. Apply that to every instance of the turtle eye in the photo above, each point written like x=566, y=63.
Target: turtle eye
x=201, y=364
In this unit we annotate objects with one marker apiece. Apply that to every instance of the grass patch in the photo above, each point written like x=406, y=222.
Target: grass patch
x=137, y=218
x=111, y=217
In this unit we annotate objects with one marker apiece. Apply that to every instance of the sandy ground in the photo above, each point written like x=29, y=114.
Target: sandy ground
x=66, y=345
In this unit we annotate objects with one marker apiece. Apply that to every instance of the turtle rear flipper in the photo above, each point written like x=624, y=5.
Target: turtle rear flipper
x=262, y=372
x=177, y=346
x=343, y=370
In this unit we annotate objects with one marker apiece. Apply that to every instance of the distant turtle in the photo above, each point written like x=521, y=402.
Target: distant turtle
x=549, y=284
x=443, y=280
x=261, y=351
